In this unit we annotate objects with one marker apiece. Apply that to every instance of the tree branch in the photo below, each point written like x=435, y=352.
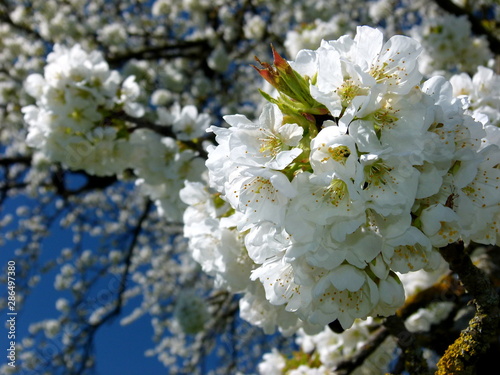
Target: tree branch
x=476, y=25
x=4, y=17
x=462, y=356
x=142, y=123
x=92, y=328
x=128, y=261
x=8, y=160
x=347, y=366
x=179, y=49
x=446, y=289
x=414, y=361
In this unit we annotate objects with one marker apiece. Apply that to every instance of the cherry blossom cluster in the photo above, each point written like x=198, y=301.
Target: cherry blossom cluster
x=324, y=351
x=84, y=118
x=356, y=171
x=160, y=165
x=74, y=98
x=481, y=96
x=321, y=353
x=449, y=45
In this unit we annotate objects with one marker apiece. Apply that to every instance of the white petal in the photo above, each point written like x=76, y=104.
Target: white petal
x=347, y=277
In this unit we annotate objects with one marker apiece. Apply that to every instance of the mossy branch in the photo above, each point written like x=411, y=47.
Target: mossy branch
x=462, y=356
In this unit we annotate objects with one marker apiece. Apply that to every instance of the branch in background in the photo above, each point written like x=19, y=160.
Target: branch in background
x=414, y=362
x=180, y=49
x=446, y=289
x=7, y=161
x=462, y=356
x=476, y=25
x=141, y=123
x=4, y=17
x=6, y=187
x=92, y=328
x=58, y=179
x=95, y=183
x=7, y=183
x=376, y=339
x=128, y=261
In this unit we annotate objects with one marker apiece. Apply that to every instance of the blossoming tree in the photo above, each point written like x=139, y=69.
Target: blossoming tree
x=330, y=206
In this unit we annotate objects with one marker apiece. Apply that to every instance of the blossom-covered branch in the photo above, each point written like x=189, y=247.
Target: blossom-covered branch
x=310, y=208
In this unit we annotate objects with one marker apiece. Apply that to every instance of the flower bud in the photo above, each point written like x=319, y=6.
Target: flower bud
x=191, y=312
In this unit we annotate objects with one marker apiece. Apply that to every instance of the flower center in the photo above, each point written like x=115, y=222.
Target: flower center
x=270, y=145
x=339, y=154
x=384, y=117
x=347, y=92
x=376, y=173
x=379, y=73
x=335, y=193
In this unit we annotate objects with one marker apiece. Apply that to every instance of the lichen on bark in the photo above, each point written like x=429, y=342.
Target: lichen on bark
x=461, y=356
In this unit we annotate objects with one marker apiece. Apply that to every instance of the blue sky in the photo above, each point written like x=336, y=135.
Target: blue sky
x=119, y=349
